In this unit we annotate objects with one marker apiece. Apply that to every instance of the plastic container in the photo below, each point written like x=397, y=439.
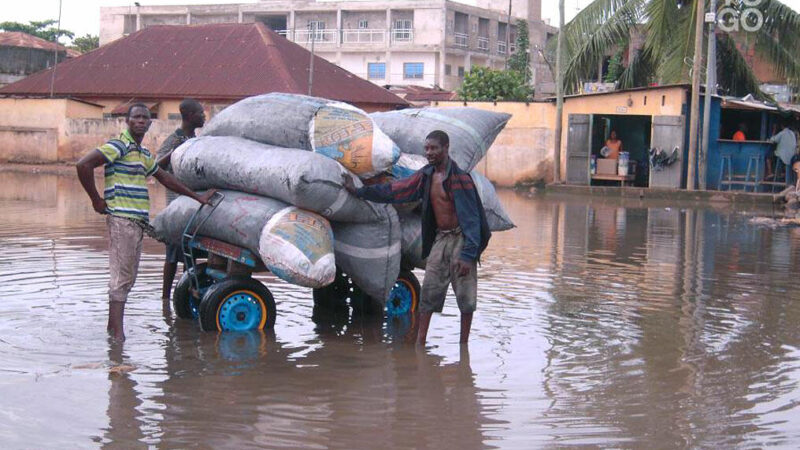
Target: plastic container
x=622, y=163
x=593, y=165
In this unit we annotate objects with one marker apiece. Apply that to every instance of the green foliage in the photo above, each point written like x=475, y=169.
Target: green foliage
x=520, y=60
x=85, y=43
x=43, y=29
x=668, y=27
x=484, y=84
x=615, y=67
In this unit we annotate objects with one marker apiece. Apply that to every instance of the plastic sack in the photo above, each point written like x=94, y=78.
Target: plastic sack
x=297, y=246
x=370, y=253
x=335, y=129
x=472, y=131
x=304, y=179
x=496, y=215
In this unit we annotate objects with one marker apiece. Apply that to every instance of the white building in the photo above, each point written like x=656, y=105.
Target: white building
x=414, y=42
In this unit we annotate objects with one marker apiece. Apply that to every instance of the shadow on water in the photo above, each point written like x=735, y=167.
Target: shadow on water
x=604, y=322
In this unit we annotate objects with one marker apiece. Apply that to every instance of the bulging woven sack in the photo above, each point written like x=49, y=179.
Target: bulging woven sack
x=297, y=246
x=472, y=131
x=337, y=130
x=304, y=179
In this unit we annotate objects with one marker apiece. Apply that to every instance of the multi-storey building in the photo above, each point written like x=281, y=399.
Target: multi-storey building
x=412, y=42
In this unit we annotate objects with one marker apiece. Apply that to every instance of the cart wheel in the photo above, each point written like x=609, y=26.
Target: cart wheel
x=404, y=297
x=186, y=305
x=237, y=305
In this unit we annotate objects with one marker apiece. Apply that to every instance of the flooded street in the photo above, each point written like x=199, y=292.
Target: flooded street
x=600, y=322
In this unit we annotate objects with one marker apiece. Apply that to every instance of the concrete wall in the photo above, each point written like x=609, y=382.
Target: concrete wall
x=61, y=130
x=523, y=151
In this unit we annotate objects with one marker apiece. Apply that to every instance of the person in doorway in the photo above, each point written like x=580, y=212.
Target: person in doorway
x=614, y=145
x=454, y=229
x=126, y=202
x=740, y=134
x=785, y=148
x=192, y=118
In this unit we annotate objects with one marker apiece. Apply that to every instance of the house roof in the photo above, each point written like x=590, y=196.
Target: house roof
x=421, y=94
x=216, y=61
x=25, y=40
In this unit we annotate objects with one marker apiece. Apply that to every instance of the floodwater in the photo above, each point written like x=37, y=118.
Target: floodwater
x=601, y=322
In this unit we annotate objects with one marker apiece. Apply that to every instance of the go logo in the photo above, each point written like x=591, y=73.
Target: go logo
x=750, y=18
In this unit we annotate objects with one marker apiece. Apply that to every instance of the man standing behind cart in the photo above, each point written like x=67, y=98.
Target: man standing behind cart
x=192, y=118
x=127, y=203
x=454, y=229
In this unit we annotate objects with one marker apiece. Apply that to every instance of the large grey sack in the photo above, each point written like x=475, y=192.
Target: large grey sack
x=337, y=130
x=238, y=219
x=496, y=215
x=275, y=119
x=304, y=179
x=295, y=245
x=370, y=253
x=472, y=131
x=411, y=248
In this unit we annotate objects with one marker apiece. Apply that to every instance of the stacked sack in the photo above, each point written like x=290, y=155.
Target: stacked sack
x=279, y=160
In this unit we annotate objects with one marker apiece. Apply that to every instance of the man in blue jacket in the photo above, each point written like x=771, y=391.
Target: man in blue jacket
x=454, y=229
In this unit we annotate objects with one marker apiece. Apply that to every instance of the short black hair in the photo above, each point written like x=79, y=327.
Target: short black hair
x=441, y=136
x=136, y=105
x=795, y=160
x=188, y=106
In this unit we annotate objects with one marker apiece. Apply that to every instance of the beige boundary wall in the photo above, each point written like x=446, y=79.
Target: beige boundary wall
x=523, y=152
x=46, y=131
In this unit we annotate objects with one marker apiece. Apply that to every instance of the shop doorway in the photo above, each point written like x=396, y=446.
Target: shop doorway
x=634, y=132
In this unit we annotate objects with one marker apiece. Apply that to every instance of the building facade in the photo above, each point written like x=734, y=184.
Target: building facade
x=412, y=42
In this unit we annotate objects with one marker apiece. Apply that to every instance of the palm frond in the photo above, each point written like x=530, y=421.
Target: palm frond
x=734, y=75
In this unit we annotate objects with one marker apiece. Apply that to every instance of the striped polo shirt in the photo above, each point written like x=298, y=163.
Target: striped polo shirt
x=127, y=167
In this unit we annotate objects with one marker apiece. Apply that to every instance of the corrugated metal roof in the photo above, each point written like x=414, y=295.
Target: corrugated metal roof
x=25, y=40
x=217, y=61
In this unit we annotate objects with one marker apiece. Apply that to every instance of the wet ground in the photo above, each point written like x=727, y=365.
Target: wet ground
x=600, y=323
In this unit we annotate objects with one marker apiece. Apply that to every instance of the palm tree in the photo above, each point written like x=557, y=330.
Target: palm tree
x=666, y=55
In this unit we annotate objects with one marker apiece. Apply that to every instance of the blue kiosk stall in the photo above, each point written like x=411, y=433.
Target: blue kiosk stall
x=740, y=164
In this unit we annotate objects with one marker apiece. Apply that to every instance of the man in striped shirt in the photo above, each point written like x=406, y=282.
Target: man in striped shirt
x=126, y=201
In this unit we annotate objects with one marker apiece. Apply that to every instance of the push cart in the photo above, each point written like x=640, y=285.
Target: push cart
x=218, y=289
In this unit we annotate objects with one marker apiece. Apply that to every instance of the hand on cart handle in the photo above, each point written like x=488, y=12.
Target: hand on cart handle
x=211, y=197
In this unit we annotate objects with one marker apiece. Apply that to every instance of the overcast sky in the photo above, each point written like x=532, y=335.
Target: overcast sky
x=83, y=16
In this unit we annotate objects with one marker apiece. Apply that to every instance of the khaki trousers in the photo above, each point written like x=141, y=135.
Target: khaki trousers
x=124, y=251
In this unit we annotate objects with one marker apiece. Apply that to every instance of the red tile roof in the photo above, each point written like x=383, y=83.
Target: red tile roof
x=217, y=61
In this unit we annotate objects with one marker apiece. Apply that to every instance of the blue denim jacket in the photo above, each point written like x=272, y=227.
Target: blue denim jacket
x=469, y=209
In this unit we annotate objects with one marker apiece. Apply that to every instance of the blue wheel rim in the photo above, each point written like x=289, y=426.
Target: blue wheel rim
x=400, y=300
x=240, y=312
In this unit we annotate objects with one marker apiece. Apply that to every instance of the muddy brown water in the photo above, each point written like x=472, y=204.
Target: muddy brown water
x=601, y=323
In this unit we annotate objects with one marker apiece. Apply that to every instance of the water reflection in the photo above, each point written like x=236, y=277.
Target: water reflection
x=609, y=322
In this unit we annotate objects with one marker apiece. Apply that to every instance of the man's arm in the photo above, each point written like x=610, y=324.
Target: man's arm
x=165, y=152
x=85, y=168
x=170, y=182
x=402, y=191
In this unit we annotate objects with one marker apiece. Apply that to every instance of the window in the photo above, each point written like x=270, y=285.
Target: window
x=413, y=70
x=376, y=71
x=461, y=71
x=363, y=24
x=317, y=29
x=447, y=69
x=402, y=30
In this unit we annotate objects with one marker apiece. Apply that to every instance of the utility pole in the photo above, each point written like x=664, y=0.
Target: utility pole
x=559, y=94
x=695, y=106
x=711, y=89
x=55, y=53
x=508, y=34
x=313, y=31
